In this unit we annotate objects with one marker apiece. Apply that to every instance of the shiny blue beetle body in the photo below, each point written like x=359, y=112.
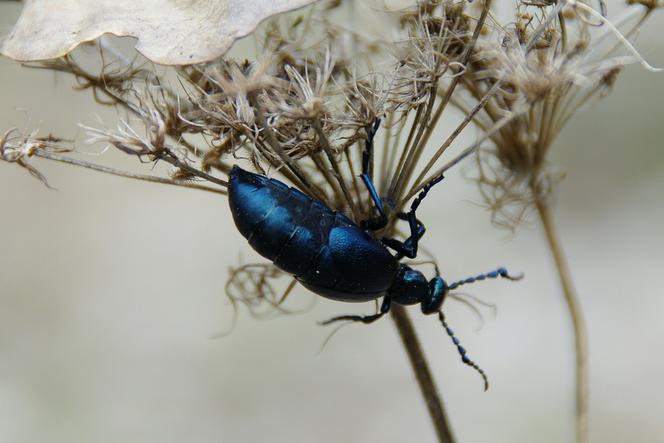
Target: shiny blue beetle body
x=323, y=249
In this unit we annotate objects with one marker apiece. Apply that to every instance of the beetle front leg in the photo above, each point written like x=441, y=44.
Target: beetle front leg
x=407, y=248
x=366, y=319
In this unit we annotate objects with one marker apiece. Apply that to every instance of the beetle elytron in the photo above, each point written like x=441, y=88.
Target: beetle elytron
x=334, y=257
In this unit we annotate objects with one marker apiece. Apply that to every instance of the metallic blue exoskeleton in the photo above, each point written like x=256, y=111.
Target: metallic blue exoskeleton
x=331, y=255
x=323, y=249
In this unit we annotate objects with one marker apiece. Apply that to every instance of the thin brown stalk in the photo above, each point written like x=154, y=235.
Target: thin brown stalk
x=336, y=171
x=112, y=171
x=467, y=119
x=465, y=60
x=423, y=374
x=394, y=149
x=574, y=308
x=396, y=179
x=171, y=158
x=327, y=174
x=465, y=153
x=355, y=183
x=384, y=172
x=413, y=152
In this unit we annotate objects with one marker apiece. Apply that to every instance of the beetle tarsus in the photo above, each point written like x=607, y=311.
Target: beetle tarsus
x=366, y=319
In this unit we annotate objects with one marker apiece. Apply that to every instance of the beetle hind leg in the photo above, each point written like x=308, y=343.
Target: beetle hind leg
x=366, y=319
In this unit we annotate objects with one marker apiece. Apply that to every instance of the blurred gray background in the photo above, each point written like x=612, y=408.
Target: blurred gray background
x=110, y=290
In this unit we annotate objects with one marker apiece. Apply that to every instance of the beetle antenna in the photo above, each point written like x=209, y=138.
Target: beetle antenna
x=500, y=272
x=462, y=351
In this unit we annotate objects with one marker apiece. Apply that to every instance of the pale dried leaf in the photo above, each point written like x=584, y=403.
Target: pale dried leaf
x=168, y=31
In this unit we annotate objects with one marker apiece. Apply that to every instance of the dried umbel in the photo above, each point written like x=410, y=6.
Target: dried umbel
x=554, y=59
x=302, y=109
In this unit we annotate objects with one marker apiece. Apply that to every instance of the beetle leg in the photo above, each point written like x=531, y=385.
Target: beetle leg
x=366, y=319
x=379, y=222
x=425, y=190
x=408, y=248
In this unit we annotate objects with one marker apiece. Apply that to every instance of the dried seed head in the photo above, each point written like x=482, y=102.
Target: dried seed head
x=547, y=66
x=528, y=75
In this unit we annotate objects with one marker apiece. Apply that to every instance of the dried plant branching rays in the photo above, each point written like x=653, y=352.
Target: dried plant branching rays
x=574, y=61
x=301, y=111
x=346, y=118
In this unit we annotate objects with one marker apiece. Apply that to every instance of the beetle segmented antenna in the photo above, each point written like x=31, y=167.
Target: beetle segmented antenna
x=500, y=272
x=462, y=351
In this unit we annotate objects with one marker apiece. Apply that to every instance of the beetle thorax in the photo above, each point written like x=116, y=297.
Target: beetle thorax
x=409, y=287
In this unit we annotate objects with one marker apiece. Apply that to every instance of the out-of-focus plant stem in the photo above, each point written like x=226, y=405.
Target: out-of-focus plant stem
x=422, y=373
x=574, y=308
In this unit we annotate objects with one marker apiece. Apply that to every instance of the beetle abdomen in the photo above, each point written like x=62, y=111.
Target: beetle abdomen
x=264, y=216
x=323, y=249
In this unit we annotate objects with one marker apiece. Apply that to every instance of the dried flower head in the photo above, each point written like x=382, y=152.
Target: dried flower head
x=554, y=59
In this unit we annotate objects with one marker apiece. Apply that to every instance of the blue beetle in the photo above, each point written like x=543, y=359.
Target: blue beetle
x=334, y=257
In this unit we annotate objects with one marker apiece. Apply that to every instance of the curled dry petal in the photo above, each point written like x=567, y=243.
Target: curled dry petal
x=168, y=31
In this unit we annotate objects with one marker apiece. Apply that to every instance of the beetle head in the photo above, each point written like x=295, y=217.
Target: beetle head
x=411, y=287
x=437, y=292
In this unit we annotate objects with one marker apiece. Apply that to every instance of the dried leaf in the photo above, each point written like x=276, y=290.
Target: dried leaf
x=168, y=31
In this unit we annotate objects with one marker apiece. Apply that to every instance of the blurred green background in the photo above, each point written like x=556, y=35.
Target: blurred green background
x=110, y=290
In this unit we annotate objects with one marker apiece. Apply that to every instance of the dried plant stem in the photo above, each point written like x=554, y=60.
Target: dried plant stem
x=113, y=171
x=422, y=373
x=580, y=336
x=336, y=171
